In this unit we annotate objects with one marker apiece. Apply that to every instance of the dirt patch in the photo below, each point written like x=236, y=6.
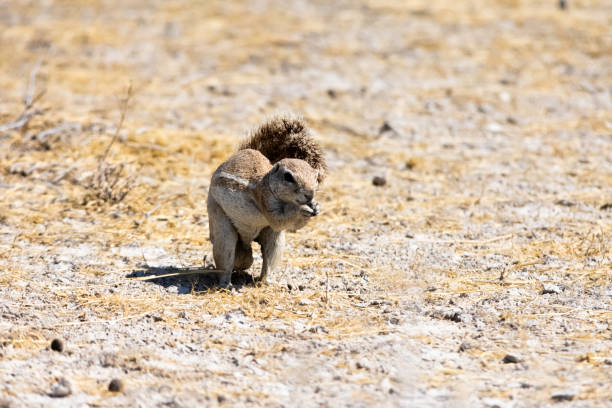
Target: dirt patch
x=478, y=273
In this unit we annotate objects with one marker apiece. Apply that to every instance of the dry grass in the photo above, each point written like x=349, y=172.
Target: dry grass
x=497, y=156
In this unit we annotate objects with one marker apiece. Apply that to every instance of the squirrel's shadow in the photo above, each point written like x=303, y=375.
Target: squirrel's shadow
x=189, y=280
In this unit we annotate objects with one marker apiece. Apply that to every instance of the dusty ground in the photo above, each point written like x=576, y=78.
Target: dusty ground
x=491, y=122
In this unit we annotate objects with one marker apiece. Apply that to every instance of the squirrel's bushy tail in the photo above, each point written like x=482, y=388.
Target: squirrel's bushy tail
x=287, y=136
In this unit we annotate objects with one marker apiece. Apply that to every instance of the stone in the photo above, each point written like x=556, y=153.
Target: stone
x=61, y=389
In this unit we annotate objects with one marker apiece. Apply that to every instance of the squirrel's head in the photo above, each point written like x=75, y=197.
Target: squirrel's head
x=293, y=181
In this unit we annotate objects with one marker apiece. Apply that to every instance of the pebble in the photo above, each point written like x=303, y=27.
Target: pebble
x=57, y=345
x=385, y=127
x=61, y=389
x=495, y=403
x=305, y=302
x=494, y=127
x=563, y=396
x=379, y=181
x=318, y=328
x=453, y=316
x=116, y=385
x=362, y=364
x=549, y=288
x=464, y=346
x=511, y=359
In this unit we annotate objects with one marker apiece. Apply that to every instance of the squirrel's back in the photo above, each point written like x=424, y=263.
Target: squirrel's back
x=287, y=136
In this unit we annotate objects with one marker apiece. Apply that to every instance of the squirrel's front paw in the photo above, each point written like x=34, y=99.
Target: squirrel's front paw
x=311, y=209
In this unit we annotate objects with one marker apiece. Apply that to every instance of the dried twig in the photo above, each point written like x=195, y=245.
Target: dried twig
x=108, y=183
x=123, y=105
x=29, y=100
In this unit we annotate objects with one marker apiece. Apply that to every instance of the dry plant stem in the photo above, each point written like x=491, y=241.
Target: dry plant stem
x=29, y=100
x=123, y=106
x=106, y=182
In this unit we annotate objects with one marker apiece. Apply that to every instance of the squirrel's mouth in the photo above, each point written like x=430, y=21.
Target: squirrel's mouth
x=313, y=206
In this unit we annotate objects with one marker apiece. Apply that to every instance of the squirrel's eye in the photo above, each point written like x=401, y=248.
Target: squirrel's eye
x=289, y=178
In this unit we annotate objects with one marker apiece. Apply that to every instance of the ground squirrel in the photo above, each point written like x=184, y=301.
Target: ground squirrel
x=265, y=188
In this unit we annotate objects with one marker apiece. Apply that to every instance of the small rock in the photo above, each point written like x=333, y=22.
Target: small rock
x=494, y=127
x=331, y=93
x=511, y=120
x=385, y=127
x=464, y=346
x=362, y=364
x=318, y=328
x=565, y=203
x=387, y=386
x=484, y=108
x=155, y=316
x=301, y=287
x=57, y=345
x=562, y=4
x=221, y=399
x=511, y=359
x=453, y=316
x=61, y=389
x=379, y=181
x=608, y=361
x=494, y=403
x=116, y=385
x=305, y=302
x=606, y=206
x=563, y=396
x=394, y=321
x=381, y=302
x=549, y=288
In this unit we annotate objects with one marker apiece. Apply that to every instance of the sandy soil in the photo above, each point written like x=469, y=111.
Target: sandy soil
x=478, y=275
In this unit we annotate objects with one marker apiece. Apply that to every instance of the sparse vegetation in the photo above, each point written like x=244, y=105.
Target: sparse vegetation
x=479, y=272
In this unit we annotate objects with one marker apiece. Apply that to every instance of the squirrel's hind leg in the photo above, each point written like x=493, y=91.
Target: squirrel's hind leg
x=224, y=239
x=272, y=243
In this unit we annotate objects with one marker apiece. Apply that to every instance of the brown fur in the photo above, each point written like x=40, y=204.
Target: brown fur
x=265, y=188
x=286, y=136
